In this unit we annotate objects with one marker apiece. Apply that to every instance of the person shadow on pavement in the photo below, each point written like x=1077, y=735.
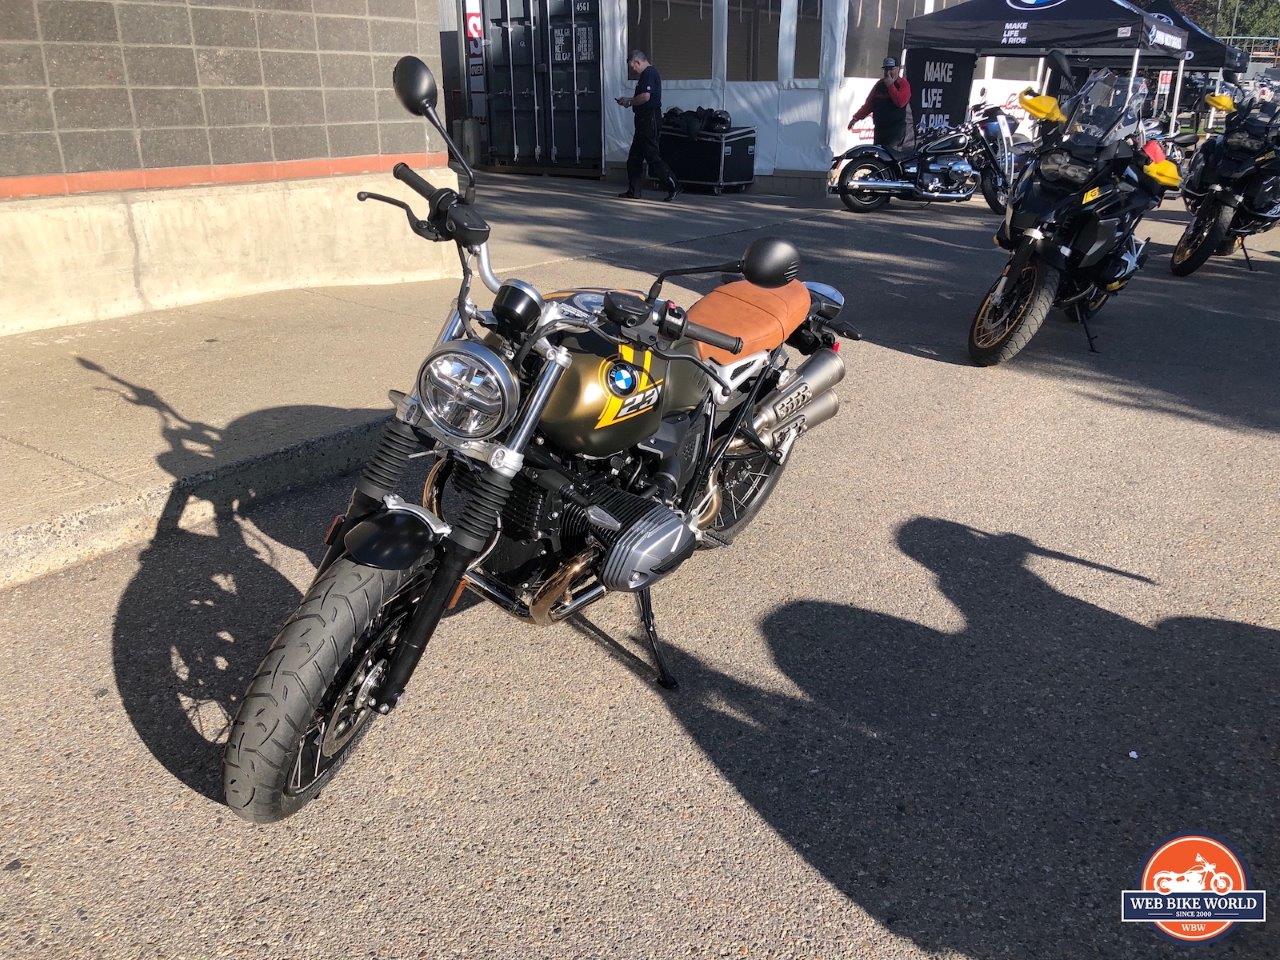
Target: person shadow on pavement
x=197, y=617
x=990, y=790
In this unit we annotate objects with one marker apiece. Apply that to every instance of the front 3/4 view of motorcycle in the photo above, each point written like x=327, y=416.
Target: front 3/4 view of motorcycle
x=1232, y=189
x=1070, y=222
x=585, y=442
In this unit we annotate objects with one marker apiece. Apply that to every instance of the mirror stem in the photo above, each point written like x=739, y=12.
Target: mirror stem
x=469, y=192
x=734, y=267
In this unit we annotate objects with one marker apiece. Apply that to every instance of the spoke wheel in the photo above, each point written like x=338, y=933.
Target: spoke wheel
x=1203, y=236
x=745, y=481
x=1000, y=331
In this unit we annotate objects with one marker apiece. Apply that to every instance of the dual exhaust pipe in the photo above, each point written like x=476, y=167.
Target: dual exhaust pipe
x=802, y=402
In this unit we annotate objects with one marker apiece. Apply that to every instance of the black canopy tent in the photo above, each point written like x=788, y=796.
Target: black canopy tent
x=1094, y=29
x=1204, y=50
x=1031, y=28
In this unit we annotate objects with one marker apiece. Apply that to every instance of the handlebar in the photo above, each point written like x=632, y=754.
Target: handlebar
x=410, y=178
x=714, y=338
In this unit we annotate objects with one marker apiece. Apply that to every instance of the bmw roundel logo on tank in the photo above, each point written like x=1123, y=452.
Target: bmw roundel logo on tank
x=622, y=379
x=1033, y=4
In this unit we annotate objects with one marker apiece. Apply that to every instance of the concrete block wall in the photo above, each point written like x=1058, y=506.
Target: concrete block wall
x=119, y=85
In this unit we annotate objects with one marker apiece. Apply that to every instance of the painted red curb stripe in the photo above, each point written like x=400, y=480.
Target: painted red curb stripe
x=98, y=181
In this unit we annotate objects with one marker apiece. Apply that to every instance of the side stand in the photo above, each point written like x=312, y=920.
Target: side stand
x=1248, y=262
x=1084, y=322
x=644, y=604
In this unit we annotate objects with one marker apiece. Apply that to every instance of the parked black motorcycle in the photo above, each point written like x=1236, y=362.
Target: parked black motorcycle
x=1069, y=225
x=585, y=442
x=948, y=166
x=1232, y=188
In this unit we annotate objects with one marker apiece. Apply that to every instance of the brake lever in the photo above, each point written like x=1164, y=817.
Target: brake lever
x=422, y=228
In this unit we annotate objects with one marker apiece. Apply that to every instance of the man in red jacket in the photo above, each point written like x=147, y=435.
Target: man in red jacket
x=887, y=105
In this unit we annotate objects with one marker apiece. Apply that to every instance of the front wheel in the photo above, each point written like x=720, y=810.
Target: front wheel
x=992, y=192
x=999, y=332
x=307, y=707
x=1203, y=235
x=862, y=201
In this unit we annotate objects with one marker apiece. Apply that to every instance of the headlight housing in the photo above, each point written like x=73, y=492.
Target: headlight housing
x=1059, y=165
x=467, y=391
x=1240, y=140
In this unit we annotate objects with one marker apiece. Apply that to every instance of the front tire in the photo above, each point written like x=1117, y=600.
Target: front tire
x=1203, y=235
x=991, y=191
x=275, y=762
x=999, y=333
x=862, y=201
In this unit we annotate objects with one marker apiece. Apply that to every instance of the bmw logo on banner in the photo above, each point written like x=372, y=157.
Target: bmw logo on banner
x=1033, y=5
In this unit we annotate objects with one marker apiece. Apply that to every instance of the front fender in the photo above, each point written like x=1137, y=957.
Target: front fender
x=395, y=537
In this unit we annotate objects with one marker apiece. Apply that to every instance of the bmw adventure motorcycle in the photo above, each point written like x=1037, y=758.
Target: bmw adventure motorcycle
x=585, y=442
x=1069, y=226
x=1232, y=189
x=946, y=167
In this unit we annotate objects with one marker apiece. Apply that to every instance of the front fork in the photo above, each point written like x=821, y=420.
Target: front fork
x=1013, y=267
x=486, y=491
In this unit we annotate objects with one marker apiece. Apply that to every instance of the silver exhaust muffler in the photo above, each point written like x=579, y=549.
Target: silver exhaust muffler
x=811, y=379
x=818, y=410
x=881, y=186
x=805, y=399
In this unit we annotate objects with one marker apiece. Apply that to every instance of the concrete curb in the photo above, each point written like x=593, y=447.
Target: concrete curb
x=40, y=549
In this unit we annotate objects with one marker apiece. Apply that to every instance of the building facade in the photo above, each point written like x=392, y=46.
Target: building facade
x=144, y=116
x=795, y=70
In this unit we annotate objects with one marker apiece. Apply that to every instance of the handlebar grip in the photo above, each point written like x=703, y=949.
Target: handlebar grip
x=714, y=338
x=406, y=175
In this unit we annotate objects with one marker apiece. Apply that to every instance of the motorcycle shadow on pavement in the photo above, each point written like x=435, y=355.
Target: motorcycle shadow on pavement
x=974, y=790
x=197, y=617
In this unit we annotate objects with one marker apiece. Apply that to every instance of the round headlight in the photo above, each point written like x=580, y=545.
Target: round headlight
x=467, y=391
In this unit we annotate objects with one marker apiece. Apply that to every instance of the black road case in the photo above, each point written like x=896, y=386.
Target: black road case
x=717, y=160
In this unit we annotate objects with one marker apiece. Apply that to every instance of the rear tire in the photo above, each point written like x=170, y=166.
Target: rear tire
x=746, y=483
x=1203, y=235
x=308, y=665
x=862, y=201
x=999, y=335
x=991, y=191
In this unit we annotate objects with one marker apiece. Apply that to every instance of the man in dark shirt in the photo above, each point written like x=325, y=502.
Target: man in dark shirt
x=887, y=105
x=646, y=104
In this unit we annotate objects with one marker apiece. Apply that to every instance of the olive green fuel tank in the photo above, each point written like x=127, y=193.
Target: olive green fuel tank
x=614, y=396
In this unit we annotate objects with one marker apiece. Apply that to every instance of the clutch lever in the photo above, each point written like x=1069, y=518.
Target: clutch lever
x=422, y=228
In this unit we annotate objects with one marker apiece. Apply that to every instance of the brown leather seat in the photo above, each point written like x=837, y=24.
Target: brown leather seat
x=762, y=317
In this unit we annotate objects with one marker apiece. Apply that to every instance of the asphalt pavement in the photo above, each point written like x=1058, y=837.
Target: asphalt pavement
x=998, y=633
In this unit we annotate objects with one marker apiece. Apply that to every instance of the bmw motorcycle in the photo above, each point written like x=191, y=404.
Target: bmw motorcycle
x=1232, y=189
x=947, y=167
x=1069, y=226
x=585, y=442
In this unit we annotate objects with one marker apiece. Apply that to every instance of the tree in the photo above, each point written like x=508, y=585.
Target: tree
x=1253, y=18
